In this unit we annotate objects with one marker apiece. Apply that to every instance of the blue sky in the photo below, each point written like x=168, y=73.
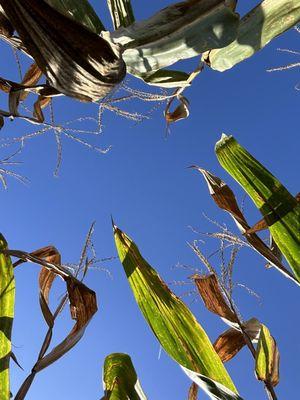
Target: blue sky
x=144, y=183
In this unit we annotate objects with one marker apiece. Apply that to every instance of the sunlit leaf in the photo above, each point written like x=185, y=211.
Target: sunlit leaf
x=279, y=208
x=171, y=321
x=225, y=199
x=120, y=379
x=257, y=28
x=177, y=32
x=7, y=300
x=267, y=358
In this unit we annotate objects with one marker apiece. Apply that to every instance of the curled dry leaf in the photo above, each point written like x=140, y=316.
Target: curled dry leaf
x=83, y=306
x=267, y=358
x=180, y=112
x=76, y=61
x=225, y=199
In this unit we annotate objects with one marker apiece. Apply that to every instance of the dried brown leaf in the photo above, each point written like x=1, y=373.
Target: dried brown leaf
x=230, y=342
x=180, y=112
x=83, y=305
x=31, y=78
x=214, y=300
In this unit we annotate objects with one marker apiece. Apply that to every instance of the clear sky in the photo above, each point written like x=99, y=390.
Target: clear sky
x=144, y=183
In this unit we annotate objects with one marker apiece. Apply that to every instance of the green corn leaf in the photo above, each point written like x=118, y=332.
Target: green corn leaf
x=279, y=208
x=7, y=299
x=172, y=322
x=121, y=12
x=257, y=28
x=177, y=32
x=267, y=358
x=81, y=11
x=120, y=379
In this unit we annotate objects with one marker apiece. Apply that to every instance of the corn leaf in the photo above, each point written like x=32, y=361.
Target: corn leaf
x=120, y=379
x=121, y=12
x=267, y=358
x=177, y=32
x=76, y=61
x=172, y=322
x=81, y=11
x=224, y=197
x=214, y=299
x=166, y=78
x=257, y=28
x=279, y=208
x=7, y=299
x=230, y=342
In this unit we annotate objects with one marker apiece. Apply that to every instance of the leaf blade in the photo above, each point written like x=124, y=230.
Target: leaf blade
x=170, y=320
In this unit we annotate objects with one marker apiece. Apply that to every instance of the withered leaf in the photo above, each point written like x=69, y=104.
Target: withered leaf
x=214, y=300
x=180, y=112
x=225, y=199
x=83, y=305
x=31, y=78
x=230, y=342
x=76, y=61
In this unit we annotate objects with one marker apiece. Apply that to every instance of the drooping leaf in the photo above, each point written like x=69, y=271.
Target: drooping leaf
x=230, y=342
x=120, y=380
x=213, y=297
x=177, y=32
x=170, y=320
x=83, y=305
x=267, y=358
x=76, y=61
x=7, y=302
x=81, y=11
x=121, y=12
x=279, y=208
x=180, y=112
x=257, y=28
x=225, y=199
